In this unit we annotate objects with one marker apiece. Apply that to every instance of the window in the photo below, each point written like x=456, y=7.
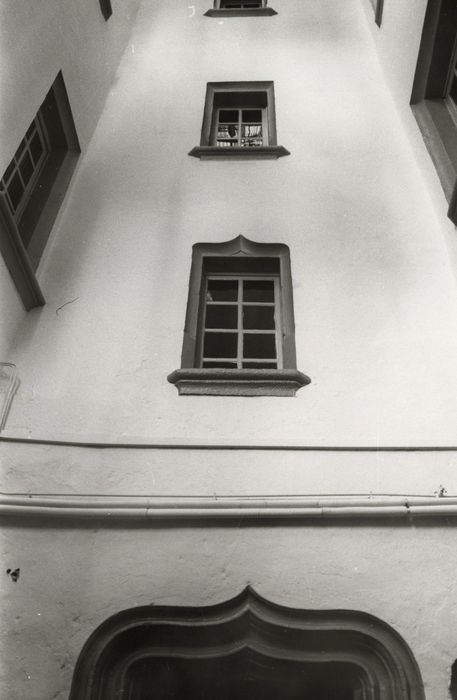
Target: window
x=239, y=332
x=434, y=97
x=239, y=121
x=32, y=189
x=378, y=6
x=240, y=8
x=107, y=10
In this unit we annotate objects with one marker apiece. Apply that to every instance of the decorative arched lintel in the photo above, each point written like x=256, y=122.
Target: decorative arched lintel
x=262, y=634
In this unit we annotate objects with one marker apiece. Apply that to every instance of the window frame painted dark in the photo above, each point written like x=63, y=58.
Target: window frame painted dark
x=378, y=7
x=43, y=204
x=215, y=92
x=193, y=379
x=106, y=8
x=429, y=100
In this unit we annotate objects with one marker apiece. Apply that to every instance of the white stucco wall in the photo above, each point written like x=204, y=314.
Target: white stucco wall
x=374, y=293
x=373, y=289
x=72, y=580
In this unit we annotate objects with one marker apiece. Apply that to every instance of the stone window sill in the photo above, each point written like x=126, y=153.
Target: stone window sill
x=238, y=382
x=255, y=12
x=238, y=153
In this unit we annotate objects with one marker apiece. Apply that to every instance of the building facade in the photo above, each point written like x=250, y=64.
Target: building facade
x=228, y=291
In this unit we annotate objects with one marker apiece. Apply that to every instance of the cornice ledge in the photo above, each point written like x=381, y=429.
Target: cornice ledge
x=239, y=153
x=259, y=508
x=195, y=381
x=254, y=12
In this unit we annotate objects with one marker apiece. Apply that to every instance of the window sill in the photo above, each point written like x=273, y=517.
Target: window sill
x=239, y=153
x=238, y=382
x=255, y=12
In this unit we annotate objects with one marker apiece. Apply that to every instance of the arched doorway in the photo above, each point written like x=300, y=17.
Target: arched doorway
x=248, y=649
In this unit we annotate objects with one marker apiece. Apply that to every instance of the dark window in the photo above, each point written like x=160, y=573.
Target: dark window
x=33, y=186
x=239, y=8
x=239, y=336
x=239, y=118
x=105, y=6
x=378, y=6
x=434, y=97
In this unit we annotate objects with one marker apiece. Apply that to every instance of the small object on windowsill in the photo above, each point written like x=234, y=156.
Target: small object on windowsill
x=238, y=382
x=239, y=153
x=9, y=383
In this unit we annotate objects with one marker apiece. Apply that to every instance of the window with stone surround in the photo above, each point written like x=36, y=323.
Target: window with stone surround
x=32, y=188
x=239, y=121
x=239, y=332
x=107, y=10
x=378, y=6
x=434, y=96
x=240, y=8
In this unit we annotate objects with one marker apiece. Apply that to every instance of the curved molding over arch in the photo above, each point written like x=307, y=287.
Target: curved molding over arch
x=250, y=628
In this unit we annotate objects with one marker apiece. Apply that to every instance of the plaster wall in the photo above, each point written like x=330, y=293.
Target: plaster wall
x=37, y=40
x=404, y=575
x=374, y=293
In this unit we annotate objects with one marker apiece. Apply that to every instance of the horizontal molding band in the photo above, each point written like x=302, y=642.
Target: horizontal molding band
x=138, y=445
x=175, y=508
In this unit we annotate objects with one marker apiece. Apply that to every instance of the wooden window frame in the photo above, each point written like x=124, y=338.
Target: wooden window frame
x=106, y=8
x=240, y=331
x=436, y=118
x=239, y=95
x=24, y=237
x=191, y=378
x=262, y=11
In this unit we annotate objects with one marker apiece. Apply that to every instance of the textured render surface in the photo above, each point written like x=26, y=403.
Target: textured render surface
x=374, y=295
x=37, y=40
x=71, y=581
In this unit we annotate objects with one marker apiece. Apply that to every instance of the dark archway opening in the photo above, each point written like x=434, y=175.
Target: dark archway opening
x=246, y=648
x=245, y=675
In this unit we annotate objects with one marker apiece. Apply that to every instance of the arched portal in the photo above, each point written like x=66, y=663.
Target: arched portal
x=246, y=648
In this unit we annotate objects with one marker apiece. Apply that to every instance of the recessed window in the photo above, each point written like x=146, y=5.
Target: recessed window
x=239, y=121
x=378, y=6
x=239, y=336
x=434, y=97
x=33, y=186
x=107, y=10
x=239, y=8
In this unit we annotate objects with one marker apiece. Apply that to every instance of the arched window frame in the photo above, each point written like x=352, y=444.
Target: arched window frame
x=191, y=378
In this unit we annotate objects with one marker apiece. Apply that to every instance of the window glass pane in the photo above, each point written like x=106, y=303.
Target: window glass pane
x=220, y=365
x=260, y=365
x=15, y=190
x=251, y=115
x=258, y=290
x=220, y=345
x=26, y=168
x=221, y=317
x=259, y=345
x=222, y=290
x=20, y=149
x=259, y=317
x=227, y=131
x=228, y=115
x=36, y=148
x=9, y=171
